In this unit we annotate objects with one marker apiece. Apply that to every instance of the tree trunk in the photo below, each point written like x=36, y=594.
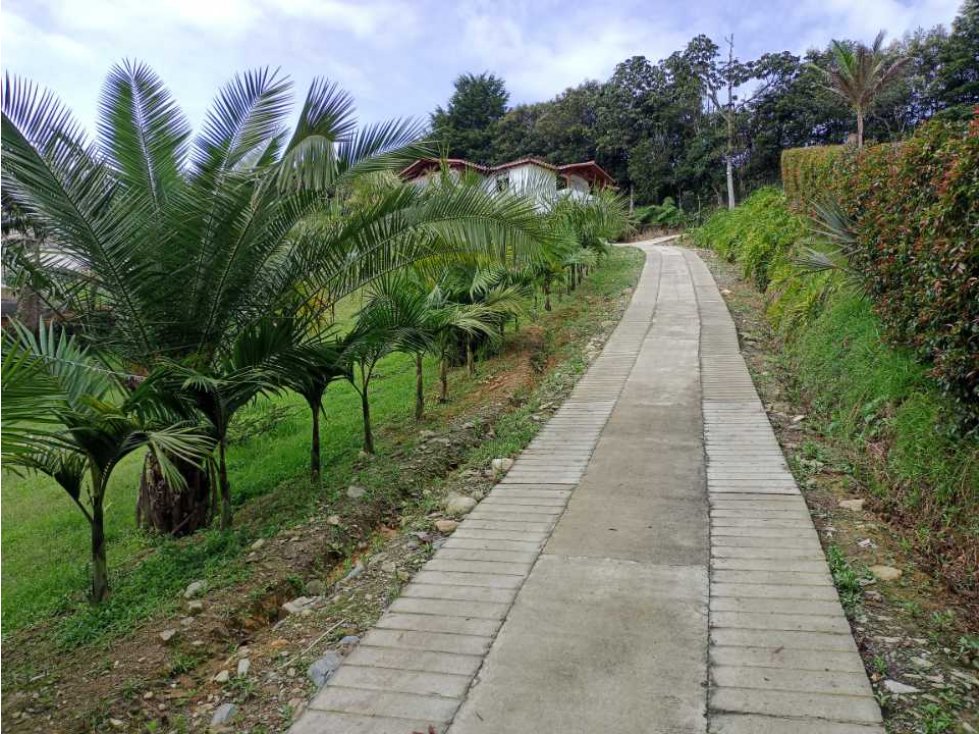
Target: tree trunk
x=419, y=387
x=547, y=296
x=365, y=407
x=100, y=566
x=730, y=184
x=315, y=463
x=171, y=510
x=859, y=127
x=224, y=484
x=444, y=379
x=470, y=357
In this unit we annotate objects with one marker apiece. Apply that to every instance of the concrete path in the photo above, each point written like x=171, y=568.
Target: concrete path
x=647, y=566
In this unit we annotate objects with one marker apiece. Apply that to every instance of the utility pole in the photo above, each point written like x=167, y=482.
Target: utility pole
x=729, y=119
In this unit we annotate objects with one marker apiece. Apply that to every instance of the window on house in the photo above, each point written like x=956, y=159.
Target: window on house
x=503, y=183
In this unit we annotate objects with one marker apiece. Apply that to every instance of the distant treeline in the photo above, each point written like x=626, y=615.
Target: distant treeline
x=661, y=128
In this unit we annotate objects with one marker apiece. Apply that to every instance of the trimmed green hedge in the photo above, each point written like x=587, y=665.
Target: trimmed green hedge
x=807, y=172
x=916, y=210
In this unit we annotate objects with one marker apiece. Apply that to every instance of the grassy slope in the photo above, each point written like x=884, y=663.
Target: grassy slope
x=45, y=541
x=875, y=401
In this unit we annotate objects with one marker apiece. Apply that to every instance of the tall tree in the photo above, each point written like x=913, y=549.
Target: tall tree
x=958, y=78
x=465, y=127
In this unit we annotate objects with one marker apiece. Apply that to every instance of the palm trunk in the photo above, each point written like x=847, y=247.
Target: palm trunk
x=170, y=510
x=470, y=357
x=365, y=407
x=100, y=566
x=314, y=448
x=547, y=296
x=224, y=484
x=444, y=379
x=859, y=127
x=419, y=387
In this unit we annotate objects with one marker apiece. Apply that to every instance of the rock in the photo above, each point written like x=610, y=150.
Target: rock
x=468, y=425
x=358, y=569
x=258, y=544
x=798, y=418
x=333, y=520
x=502, y=466
x=893, y=686
x=855, y=505
x=321, y=669
x=886, y=573
x=167, y=635
x=446, y=526
x=194, y=590
x=389, y=567
x=920, y=662
x=315, y=587
x=195, y=606
x=223, y=714
x=244, y=665
x=222, y=676
x=426, y=434
x=186, y=621
x=348, y=643
x=297, y=605
x=355, y=493
x=296, y=705
x=115, y=723
x=866, y=543
x=459, y=504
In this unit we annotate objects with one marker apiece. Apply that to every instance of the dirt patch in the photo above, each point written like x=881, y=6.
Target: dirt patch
x=911, y=631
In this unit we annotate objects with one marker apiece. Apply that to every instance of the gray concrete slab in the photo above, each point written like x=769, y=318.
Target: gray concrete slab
x=575, y=597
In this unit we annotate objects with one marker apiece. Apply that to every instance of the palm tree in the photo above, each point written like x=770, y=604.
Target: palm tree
x=309, y=370
x=859, y=74
x=181, y=242
x=64, y=416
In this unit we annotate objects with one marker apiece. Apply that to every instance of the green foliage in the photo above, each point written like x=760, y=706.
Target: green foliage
x=916, y=214
x=847, y=580
x=807, y=172
x=957, y=82
x=465, y=128
x=758, y=234
x=866, y=392
x=666, y=214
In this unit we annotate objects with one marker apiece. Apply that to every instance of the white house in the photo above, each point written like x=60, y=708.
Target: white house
x=531, y=176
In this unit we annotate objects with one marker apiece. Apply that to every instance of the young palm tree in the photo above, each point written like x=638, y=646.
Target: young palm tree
x=64, y=416
x=309, y=370
x=860, y=73
x=181, y=242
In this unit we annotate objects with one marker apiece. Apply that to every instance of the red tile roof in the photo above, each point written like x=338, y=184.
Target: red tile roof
x=589, y=170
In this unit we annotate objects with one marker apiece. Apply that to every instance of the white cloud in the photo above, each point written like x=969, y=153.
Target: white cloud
x=539, y=60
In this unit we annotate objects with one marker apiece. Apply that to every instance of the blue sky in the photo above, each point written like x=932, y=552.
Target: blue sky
x=399, y=57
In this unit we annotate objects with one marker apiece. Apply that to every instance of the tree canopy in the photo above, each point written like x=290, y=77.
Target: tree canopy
x=665, y=128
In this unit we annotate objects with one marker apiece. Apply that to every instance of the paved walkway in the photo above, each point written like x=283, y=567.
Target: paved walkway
x=647, y=566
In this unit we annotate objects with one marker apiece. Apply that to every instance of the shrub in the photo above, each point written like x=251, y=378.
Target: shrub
x=807, y=172
x=916, y=208
x=757, y=235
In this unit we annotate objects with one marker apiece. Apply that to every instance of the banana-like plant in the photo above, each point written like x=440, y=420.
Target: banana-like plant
x=68, y=417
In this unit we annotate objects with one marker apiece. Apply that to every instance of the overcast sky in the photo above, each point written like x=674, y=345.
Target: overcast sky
x=399, y=57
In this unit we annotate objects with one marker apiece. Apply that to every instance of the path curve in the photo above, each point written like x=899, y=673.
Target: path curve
x=648, y=565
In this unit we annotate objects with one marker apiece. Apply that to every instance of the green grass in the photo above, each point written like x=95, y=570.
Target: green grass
x=45, y=540
x=880, y=394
